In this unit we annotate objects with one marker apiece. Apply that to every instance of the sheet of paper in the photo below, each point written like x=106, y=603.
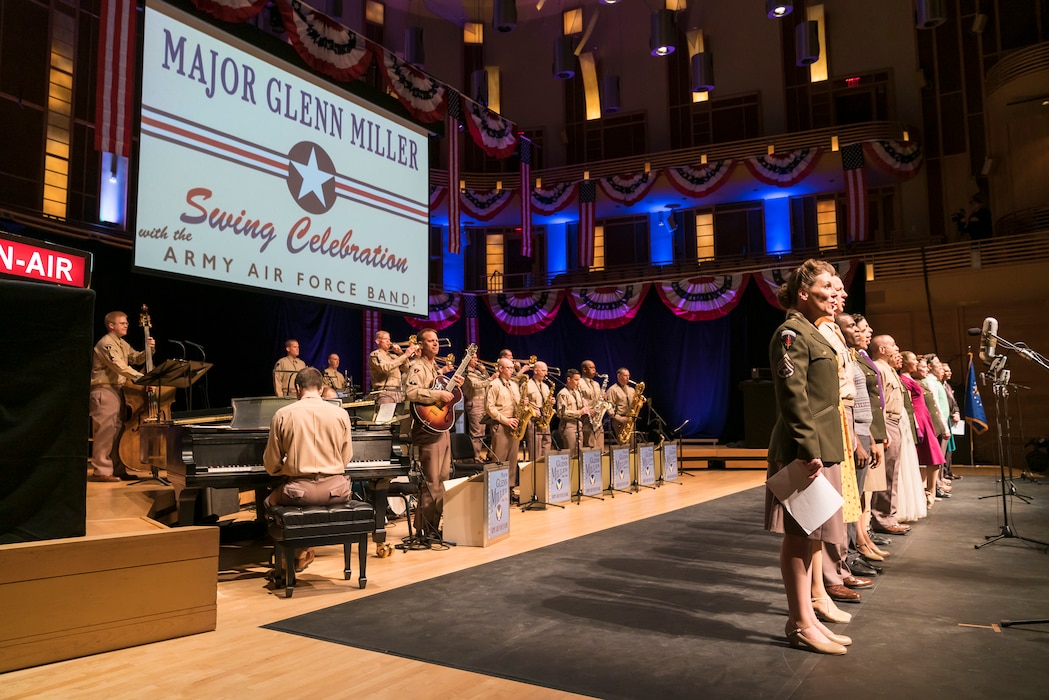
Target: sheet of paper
x=385, y=413
x=809, y=501
x=958, y=428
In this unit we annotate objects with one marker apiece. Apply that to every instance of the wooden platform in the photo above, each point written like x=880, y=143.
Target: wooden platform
x=702, y=454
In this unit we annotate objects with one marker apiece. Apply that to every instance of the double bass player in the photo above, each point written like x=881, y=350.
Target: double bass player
x=111, y=368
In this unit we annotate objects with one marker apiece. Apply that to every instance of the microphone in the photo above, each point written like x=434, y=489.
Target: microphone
x=989, y=339
x=975, y=331
x=179, y=343
x=198, y=347
x=677, y=430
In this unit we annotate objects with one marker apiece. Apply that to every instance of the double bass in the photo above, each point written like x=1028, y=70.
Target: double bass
x=143, y=404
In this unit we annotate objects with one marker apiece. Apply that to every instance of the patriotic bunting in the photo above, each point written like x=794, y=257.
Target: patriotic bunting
x=420, y=94
x=115, y=77
x=470, y=304
x=700, y=181
x=604, y=308
x=855, y=192
x=550, y=200
x=437, y=193
x=627, y=189
x=703, y=298
x=784, y=170
x=491, y=132
x=324, y=44
x=445, y=309
x=525, y=313
x=485, y=205
x=526, y=197
x=231, y=10
x=901, y=159
x=587, y=221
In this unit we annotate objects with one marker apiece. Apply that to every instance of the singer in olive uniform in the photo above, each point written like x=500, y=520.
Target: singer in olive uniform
x=500, y=403
x=808, y=433
x=110, y=370
x=286, y=368
x=435, y=454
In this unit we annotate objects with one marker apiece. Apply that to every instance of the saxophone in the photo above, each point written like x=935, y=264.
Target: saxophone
x=601, y=407
x=625, y=430
x=524, y=411
x=548, y=410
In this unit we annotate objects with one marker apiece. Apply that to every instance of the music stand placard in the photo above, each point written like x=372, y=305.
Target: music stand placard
x=592, y=484
x=619, y=458
x=670, y=464
x=646, y=464
x=497, y=506
x=558, y=477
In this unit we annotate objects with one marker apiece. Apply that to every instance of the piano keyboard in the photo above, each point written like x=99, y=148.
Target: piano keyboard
x=217, y=469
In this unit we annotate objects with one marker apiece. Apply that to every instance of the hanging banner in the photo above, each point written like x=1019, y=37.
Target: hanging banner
x=484, y=205
x=784, y=170
x=445, y=309
x=607, y=307
x=325, y=45
x=628, y=189
x=420, y=94
x=550, y=200
x=703, y=298
x=702, y=180
x=902, y=159
x=491, y=132
x=770, y=280
x=526, y=312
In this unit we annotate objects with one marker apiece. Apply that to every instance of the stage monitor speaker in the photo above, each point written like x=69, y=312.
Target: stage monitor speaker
x=44, y=434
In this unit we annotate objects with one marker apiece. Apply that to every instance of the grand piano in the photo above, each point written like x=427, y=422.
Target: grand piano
x=199, y=456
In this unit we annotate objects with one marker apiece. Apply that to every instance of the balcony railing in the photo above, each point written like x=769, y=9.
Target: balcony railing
x=1019, y=63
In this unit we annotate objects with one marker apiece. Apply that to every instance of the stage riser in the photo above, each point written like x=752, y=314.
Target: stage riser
x=63, y=599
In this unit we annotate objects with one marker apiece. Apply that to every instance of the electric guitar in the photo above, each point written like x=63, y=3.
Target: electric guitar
x=439, y=417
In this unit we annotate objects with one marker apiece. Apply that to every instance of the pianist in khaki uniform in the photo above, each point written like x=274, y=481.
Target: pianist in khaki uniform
x=309, y=445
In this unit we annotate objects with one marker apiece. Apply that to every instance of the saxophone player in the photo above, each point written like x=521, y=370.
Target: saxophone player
x=500, y=405
x=622, y=395
x=571, y=407
x=593, y=435
x=539, y=394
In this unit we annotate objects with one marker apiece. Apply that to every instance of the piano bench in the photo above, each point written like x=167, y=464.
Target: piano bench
x=296, y=527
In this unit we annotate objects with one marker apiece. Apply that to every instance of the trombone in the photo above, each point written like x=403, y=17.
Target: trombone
x=414, y=340
x=446, y=361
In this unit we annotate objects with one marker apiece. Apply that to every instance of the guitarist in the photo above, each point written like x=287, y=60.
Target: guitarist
x=435, y=452
x=110, y=370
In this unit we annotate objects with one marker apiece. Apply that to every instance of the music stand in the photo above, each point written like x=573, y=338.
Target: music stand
x=180, y=374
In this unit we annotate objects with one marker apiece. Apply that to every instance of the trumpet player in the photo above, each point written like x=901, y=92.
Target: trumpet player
x=387, y=366
x=500, y=405
x=475, y=387
x=537, y=439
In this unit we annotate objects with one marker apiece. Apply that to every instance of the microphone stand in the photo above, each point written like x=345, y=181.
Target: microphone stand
x=204, y=385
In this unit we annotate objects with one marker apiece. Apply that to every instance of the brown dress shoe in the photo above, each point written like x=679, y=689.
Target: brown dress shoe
x=858, y=582
x=105, y=478
x=843, y=594
x=893, y=529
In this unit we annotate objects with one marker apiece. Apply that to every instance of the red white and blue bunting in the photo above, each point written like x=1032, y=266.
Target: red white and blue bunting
x=484, y=205
x=604, y=308
x=324, y=44
x=627, y=189
x=445, y=309
x=492, y=133
x=550, y=200
x=700, y=181
x=527, y=312
x=703, y=298
x=901, y=159
x=420, y=94
x=784, y=170
x=437, y=193
x=231, y=10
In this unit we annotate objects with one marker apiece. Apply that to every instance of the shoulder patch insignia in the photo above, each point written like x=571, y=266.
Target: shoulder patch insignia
x=787, y=336
x=785, y=368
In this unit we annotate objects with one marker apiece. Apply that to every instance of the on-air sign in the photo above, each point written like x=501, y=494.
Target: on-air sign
x=43, y=262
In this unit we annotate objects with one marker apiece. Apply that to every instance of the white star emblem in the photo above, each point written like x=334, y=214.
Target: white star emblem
x=313, y=178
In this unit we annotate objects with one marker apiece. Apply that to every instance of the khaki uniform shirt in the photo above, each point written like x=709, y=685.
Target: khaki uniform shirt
x=501, y=400
x=570, y=404
x=334, y=378
x=385, y=370
x=475, y=384
x=284, y=375
x=422, y=373
x=310, y=436
x=112, y=360
x=590, y=390
x=621, y=397
x=893, y=388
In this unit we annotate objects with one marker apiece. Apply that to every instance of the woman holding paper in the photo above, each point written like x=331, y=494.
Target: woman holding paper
x=805, y=450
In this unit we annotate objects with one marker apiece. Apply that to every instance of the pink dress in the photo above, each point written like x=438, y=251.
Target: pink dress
x=929, y=452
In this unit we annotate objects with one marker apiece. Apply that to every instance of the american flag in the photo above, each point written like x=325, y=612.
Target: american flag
x=116, y=77
x=855, y=191
x=455, y=112
x=526, y=197
x=470, y=302
x=587, y=214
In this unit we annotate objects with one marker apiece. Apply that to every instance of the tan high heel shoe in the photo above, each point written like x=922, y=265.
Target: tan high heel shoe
x=884, y=554
x=797, y=639
x=869, y=553
x=827, y=611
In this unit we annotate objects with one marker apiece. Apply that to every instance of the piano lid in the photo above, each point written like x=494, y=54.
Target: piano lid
x=256, y=412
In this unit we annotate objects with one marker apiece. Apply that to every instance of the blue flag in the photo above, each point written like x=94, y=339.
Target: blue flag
x=974, y=413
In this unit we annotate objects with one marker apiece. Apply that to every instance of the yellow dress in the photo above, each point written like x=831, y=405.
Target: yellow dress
x=850, y=490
